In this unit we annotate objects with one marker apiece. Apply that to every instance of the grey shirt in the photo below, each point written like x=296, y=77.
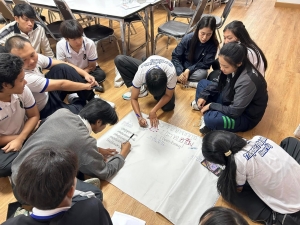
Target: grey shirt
x=65, y=130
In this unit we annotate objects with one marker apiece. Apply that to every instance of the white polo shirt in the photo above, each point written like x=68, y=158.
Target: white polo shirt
x=155, y=61
x=37, y=82
x=12, y=114
x=86, y=54
x=272, y=174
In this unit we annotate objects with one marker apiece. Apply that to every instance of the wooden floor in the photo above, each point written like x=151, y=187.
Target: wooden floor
x=275, y=30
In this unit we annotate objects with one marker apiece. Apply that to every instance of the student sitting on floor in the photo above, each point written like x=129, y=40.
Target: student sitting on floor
x=260, y=177
x=65, y=130
x=78, y=50
x=26, y=27
x=220, y=215
x=51, y=89
x=158, y=73
x=237, y=102
x=236, y=31
x=196, y=52
x=19, y=114
x=47, y=181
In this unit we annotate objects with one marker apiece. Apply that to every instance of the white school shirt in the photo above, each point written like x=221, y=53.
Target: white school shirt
x=87, y=53
x=253, y=59
x=155, y=61
x=272, y=174
x=37, y=82
x=12, y=114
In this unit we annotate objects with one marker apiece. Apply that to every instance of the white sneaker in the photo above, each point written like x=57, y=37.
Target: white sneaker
x=192, y=84
x=111, y=103
x=95, y=181
x=202, y=123
x=71, y=97
x=195, y=106
x=143, y=93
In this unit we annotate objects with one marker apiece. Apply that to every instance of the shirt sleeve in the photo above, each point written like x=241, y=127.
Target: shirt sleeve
x=28, y=98
x=137, y=80
x=172, y=78
x=45, y=45
x=178, y=55
x=44, y=61
x=92, y=162
x=36, y=83
x=244, y=93
x=60, y=53
x=241, y=177
x=91, y=52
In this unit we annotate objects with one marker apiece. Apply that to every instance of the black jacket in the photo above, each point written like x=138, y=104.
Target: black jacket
x=250, y=96
x=203, y=58
x=90, y=211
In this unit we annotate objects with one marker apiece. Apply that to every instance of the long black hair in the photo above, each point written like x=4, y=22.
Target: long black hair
x=235, y=53
x=214, y=146
x=221, y=215
x=206, y=21
x=239, y=30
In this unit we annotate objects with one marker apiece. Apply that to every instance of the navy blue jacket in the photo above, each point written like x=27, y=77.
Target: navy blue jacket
x=204, y=55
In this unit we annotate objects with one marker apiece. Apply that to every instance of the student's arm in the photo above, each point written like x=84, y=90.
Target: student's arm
x=45, y=45
x=178, y=55
x=81, y=72
x=164, y=100
x=244, y=93
x=136, y=107
x=33, y=116
x=206, y=60
x=92, y=162
x=91, y=67
x=67, y=85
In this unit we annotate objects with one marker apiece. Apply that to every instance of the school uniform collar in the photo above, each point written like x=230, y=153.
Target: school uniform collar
x=87, y=124
x=18, y=31
x=47, y=214
x=69, y=48
x=13, y=99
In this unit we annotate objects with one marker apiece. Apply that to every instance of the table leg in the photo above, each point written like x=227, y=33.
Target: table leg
x=152, y=29
x=147, y=29
x=124, y=49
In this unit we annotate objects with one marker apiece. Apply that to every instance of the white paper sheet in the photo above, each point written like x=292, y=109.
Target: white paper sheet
x=119, y=218
x=160, y=169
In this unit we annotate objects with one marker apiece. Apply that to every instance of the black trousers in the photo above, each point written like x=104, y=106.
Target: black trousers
x=6, y=160
x=99, y=74
x=255, y=208
x=127, y=67
x=56, y=98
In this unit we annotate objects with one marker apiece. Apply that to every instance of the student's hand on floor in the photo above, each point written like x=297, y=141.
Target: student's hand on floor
x=143, y=122
x=107, y=152
x=201, y=102
x=205, y=108
x=153, y=119
x=91, y=80
x=13, y=146
x=125, y=149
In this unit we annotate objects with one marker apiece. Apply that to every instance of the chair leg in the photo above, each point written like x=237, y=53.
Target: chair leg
x=168, y=42
x=219, y=36
x=128, y=38
x=101, y=46
x=113, y=36
x=155, y=42
x=133, y=28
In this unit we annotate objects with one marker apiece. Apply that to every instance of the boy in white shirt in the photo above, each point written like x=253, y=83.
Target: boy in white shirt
x=79, y=50
x=25, y=26
x=51, y=89
x=16, y=101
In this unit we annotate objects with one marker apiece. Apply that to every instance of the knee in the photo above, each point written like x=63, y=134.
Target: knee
x=119, y=59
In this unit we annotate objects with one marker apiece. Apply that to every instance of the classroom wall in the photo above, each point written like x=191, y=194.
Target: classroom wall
x=288, y=3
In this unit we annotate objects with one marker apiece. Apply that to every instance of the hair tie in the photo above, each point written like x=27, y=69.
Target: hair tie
x=228, y=153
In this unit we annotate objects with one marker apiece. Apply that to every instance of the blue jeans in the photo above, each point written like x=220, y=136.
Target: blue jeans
x=216, y=120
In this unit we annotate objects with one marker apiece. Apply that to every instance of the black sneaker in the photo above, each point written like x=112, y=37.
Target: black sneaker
x=204, y=130
x=99, y=88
